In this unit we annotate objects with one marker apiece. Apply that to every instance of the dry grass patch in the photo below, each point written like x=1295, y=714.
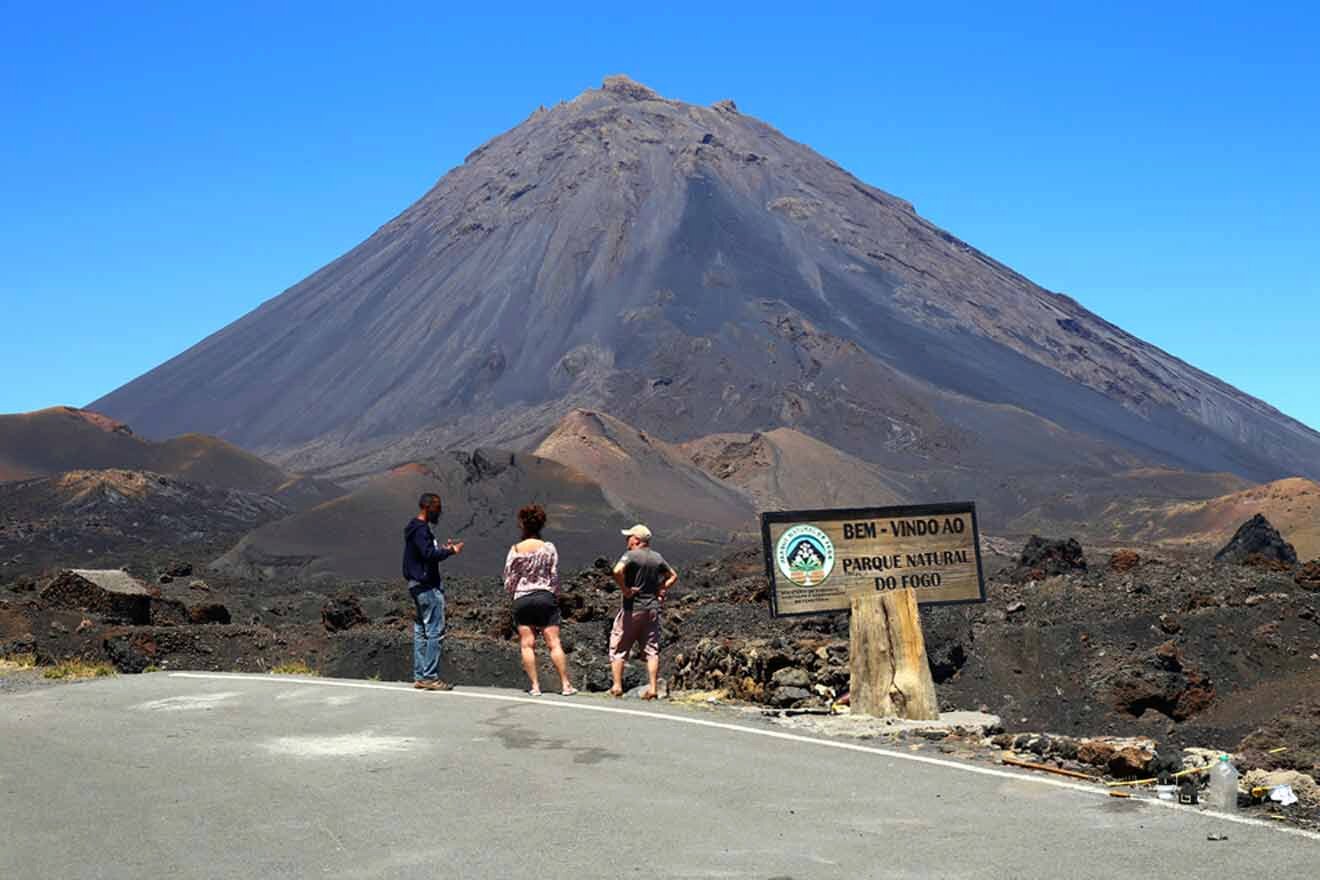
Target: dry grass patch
x=17, y=663
x=700, y=698
x=71, y=670
x=295, y=667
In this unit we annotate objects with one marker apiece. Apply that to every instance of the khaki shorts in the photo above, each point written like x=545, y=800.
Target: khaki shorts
x=639, y=626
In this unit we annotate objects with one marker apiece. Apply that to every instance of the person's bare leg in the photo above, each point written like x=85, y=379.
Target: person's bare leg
x=653, y=673
x=527, y=642
x=616, y=667
x=557, y=657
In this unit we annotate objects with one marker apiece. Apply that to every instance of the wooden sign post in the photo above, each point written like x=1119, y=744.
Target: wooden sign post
x=880, y=563
x=890, y=674
x=816, y=560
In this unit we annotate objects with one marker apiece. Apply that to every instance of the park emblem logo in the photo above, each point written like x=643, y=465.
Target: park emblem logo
x=805, y=555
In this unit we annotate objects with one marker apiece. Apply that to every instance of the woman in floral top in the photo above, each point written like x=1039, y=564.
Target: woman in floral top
x=531, y=575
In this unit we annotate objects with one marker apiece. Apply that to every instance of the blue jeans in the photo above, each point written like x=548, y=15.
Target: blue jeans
x=428, y=631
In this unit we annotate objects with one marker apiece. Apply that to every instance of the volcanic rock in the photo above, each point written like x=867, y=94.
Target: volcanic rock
x=784, y=697
x=1256, y=539
x=1296, y=730
x=115, y=596
x=1042, y=558
x=129, y=653
x=1095, y=752
x=948, y=640
x=1308, y=576
x=791, y=676
x=24, y=584
x=1124, y=560
x=168, y=612
x=209, y=613
x=342, y=612
x=16, y=635
x=1121, y=757
x=1161, y=681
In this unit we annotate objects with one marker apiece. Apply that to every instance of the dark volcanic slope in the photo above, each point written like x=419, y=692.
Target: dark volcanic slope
x=53, y=441
x=691, y=270
x=361, y=534
x=117, y=517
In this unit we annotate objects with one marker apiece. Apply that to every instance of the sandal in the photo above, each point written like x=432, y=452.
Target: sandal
x=534, y=692
x=568, y=691
x=615, y=693
x=649, y=695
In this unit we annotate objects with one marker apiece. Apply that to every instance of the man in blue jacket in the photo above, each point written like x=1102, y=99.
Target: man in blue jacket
x=422, y=555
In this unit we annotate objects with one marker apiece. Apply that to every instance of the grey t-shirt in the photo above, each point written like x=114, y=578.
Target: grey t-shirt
x=644, y=570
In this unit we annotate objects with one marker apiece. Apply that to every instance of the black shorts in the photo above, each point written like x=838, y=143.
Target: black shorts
x=539, y=609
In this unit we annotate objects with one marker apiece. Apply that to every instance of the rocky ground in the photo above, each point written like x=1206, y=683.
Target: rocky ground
x=1074, y=644
x=114, y=517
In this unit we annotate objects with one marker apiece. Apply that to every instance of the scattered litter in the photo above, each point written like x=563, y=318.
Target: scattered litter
x=1277, y=751
x=1222, y=791
x=1283, y=794
x=1015, y=761
x=1120, y=794
x=1213, y=836
x=789, y=713
x=1166, y=792
x=1126, y=782
x=1303, y=786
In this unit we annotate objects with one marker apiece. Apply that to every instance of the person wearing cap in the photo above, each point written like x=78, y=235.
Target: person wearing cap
x=643, y=577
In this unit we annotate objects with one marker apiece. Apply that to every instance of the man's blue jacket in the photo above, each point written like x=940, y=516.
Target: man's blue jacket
x=422, y=555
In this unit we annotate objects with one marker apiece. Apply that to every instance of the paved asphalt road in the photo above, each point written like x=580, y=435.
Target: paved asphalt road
x=228, y=776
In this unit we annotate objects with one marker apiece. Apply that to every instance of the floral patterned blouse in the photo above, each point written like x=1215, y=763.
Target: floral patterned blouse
x=528, y=572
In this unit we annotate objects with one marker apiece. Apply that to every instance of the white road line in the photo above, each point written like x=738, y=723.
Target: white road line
x=583, y=706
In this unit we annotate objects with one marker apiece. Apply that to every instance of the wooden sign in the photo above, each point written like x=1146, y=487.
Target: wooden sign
x=816, y=560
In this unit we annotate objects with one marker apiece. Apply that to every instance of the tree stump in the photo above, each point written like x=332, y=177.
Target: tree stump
x=890, y=673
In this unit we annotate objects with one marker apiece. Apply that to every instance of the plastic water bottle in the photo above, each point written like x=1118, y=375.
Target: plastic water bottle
x=1222, y=792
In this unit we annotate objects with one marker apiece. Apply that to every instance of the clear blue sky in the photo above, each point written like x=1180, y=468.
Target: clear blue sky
x=166, y=167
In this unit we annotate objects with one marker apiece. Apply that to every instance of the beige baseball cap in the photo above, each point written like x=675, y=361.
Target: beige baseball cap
x=638, y=531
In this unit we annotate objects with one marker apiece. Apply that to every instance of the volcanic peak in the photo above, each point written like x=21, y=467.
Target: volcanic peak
x=634, y=255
